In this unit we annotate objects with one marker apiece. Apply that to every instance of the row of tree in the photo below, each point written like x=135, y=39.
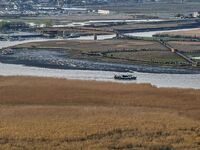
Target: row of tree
x=4, y=25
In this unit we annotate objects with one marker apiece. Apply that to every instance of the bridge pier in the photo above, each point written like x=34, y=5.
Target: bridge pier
x=65, y=34
x=117, y=35
x=95, y=36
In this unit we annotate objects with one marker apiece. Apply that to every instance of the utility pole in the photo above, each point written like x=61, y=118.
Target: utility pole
x=60, y=3
x=182, y=1
x=139, y=1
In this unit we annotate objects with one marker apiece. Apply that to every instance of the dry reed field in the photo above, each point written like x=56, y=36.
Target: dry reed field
x=46, y=113
x=186, y=46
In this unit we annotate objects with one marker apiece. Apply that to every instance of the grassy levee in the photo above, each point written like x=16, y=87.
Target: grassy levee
x=46, y=113
x=150, y=52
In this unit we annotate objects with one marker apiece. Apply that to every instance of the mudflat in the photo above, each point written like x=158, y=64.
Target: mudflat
x=46, y=113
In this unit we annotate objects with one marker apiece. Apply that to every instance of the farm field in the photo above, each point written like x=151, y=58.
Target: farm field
x=158, y=9
x=186, y=46
x=192, y=33
x=78, y=18
x=148, y=56
x=46, y=113
x=104, y=45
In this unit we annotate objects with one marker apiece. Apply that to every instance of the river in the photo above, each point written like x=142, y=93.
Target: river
x=5, y=44
x=151, y=33
x=156, y=79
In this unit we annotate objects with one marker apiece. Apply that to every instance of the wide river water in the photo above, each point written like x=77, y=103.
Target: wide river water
x=156, y=79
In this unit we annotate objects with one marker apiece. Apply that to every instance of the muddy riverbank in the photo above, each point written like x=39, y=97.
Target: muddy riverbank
x=61, y=59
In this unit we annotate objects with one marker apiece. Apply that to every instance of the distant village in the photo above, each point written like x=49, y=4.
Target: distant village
x=20, y=8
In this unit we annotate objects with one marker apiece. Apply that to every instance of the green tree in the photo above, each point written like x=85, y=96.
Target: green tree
x=4, y=25
x=48, y=23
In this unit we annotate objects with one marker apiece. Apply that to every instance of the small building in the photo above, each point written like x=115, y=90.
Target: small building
x=103, y=12
x=195, y=14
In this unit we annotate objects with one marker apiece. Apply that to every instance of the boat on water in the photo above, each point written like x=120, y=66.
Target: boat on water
x=125, y=77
